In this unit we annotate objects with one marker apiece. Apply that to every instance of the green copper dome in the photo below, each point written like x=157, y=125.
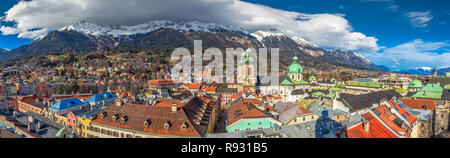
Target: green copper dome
x=295, y=67
x=415, y=84
x=312, y=78
x=245, y=57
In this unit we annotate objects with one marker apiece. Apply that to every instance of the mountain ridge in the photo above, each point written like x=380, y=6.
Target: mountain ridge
x=425, y=71
x=85, y=37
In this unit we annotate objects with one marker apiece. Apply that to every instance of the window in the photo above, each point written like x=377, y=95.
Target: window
x=249, y=124
x=312, y=117
x=260, y=127
x=248, y=129
x=304, y=118
x=237, y=129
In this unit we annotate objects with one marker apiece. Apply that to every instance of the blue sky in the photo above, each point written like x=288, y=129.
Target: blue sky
x=400, y=34
x=10, y=41
x=379, y=18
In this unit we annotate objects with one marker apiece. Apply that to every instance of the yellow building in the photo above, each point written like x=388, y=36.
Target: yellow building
x=84, y=125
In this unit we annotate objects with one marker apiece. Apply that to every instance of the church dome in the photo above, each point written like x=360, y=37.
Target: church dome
x=295, y=67
x=415, y=84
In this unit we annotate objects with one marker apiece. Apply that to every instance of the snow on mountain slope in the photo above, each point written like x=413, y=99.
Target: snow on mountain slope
x=303, y=42
x=362, y=57
x=260, y=35
x=120, y=30
x=425, y=68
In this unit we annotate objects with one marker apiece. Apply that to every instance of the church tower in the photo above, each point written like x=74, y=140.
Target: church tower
x=434, y=72
x=246, y=69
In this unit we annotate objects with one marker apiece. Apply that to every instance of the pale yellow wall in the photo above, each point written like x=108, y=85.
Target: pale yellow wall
x=299, y=119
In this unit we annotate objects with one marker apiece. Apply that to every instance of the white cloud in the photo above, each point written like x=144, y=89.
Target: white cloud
x=393, y=7
x=413, y=54
x=331, y=31
x=419, y=19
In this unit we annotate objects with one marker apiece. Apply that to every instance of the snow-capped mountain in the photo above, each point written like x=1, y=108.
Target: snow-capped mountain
x=425, y=71
x=304, y=42
x=261, y=35
x=272, y=33
x=85, y=37
x=3, y=50
x=121, y=30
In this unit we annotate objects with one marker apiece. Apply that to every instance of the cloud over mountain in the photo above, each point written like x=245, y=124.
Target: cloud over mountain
x=412, y=54
x=37, y=17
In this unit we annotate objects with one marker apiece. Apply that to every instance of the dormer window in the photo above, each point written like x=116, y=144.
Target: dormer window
x=103, y=115
x=147, y=123
x=184, y=126
x=72, y=102
x=124, y=119
x=115, y=117
x=167, y=125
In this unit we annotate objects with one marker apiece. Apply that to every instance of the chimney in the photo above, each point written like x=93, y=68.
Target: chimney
x=174, y=107
x=366, y=126
x=30, y=119
x=119, y=103
x=38, y=126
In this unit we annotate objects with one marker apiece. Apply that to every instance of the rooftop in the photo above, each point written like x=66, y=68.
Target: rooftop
x=67, y=104
x=430, y=91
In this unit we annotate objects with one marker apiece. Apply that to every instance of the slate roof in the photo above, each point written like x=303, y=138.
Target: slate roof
x=360, y=102
x=66, y=104
x=291, y=111
x=325, y=110
x=446, y=94
x=301, y=130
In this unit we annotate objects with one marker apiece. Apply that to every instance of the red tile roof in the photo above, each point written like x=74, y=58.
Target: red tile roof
x=137, y=114
x=209, y=89
x=376, y=129
x=194, y=85
x=403, y=111
x=303, y=111
x=31, y=100
x=419, y=103
x=242, y=110
x=388, y=117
